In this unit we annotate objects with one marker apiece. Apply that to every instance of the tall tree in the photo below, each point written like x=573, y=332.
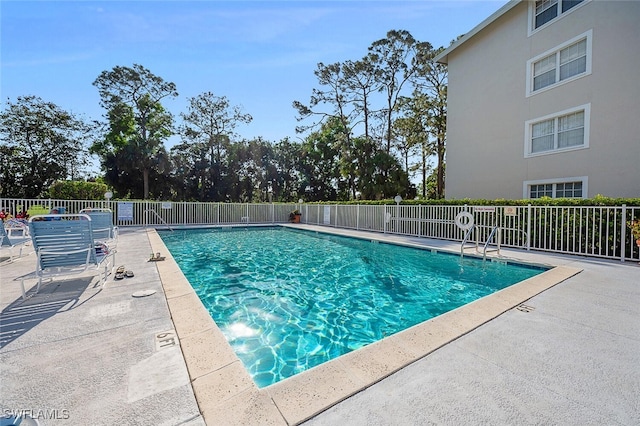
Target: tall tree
x=207, y=129
x=139, y=124
x=361, y=81
x=331, y=93
x=287, y=157
x=414, y=130
x=41, y=143
x=259, y=169
x=393, y=59
x=379, y=175
x=185, y=177
x=431, y=78
x=340, y=95
x=320, y=163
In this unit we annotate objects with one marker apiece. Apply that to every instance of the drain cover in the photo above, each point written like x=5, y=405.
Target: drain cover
x=143, y=293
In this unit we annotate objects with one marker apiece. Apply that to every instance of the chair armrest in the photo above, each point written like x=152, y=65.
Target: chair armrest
x=45, y=251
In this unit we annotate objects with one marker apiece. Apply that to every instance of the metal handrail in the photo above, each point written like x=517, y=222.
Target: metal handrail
x=158, y=216
x=465, y=239
x=486, y=244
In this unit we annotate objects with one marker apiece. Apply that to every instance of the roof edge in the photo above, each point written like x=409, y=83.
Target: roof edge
x=443, y=56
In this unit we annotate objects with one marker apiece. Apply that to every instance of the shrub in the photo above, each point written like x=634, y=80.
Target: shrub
x=77, y=190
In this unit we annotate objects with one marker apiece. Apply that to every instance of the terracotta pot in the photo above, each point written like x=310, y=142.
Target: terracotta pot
x=638, y=242
x=295, y=218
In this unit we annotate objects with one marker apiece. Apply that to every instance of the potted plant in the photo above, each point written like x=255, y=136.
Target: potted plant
x=634, y=225
x=294, y=216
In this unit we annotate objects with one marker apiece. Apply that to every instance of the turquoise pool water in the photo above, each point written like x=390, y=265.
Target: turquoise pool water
x=289, y=300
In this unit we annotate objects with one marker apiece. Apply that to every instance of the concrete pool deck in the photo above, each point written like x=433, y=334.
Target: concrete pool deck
x=80, y=354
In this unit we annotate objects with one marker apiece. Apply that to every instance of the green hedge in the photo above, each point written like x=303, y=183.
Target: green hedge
x=77, y=190
x=598, y=200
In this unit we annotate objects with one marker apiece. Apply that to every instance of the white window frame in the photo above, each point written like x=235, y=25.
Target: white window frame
x=588, y=36
x=532, y=15
x=528, y=126
x=526, y=185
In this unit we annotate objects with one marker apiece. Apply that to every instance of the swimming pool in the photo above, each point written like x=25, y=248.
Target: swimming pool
x=288, y=300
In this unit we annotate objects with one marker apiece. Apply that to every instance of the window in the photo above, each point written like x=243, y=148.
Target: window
x=557, y=190
x=547, y=10
x=571, y=60
x=542, y=190
x=570, y=130
x=569, y=190
x=559, y=65
x=575, y=187
x=565, y=131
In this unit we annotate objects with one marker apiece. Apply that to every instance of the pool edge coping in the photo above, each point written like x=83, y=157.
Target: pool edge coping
x=225, y=392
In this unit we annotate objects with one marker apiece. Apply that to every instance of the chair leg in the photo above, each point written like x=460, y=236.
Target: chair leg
x=105, y=273
x=39, y=284
x=24, y=293
x=108, y=267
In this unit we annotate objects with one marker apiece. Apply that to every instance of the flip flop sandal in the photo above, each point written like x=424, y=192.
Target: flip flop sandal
x=128, y=274
x=119, y=273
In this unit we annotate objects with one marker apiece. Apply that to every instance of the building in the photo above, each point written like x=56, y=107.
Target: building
x=544, y=100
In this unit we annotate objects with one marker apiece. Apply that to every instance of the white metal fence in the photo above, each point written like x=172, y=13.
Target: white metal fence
x=596, y=231
x=157, y=213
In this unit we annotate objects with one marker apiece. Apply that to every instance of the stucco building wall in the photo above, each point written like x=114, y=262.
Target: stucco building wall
x=489, y=107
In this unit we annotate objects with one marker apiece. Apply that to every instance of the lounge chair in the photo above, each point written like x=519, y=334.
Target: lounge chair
x=65, y=245
x=104, y=230
x=16, y=226
x=12, y=242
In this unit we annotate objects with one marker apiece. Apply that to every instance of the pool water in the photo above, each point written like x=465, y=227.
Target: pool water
x=288, y=300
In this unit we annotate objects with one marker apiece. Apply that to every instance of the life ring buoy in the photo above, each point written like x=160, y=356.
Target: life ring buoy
x=464, y=220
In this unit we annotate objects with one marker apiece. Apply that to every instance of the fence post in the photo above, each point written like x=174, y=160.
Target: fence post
x=384, y=218
x=528, y=227
x=623, y=233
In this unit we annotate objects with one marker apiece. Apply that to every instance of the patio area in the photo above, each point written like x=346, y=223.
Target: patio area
x=77, y=353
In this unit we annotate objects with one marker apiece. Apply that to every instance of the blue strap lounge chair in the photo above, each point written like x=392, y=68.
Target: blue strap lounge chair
x=65, y=245
x=102, y=224
x=16, y=226
x=9, y=241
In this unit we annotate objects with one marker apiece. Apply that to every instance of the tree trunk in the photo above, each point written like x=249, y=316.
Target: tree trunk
x=424, y=172
x=145, y=180
x=440, y=166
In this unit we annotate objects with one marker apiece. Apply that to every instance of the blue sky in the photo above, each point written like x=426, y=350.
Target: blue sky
x=261, y=55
